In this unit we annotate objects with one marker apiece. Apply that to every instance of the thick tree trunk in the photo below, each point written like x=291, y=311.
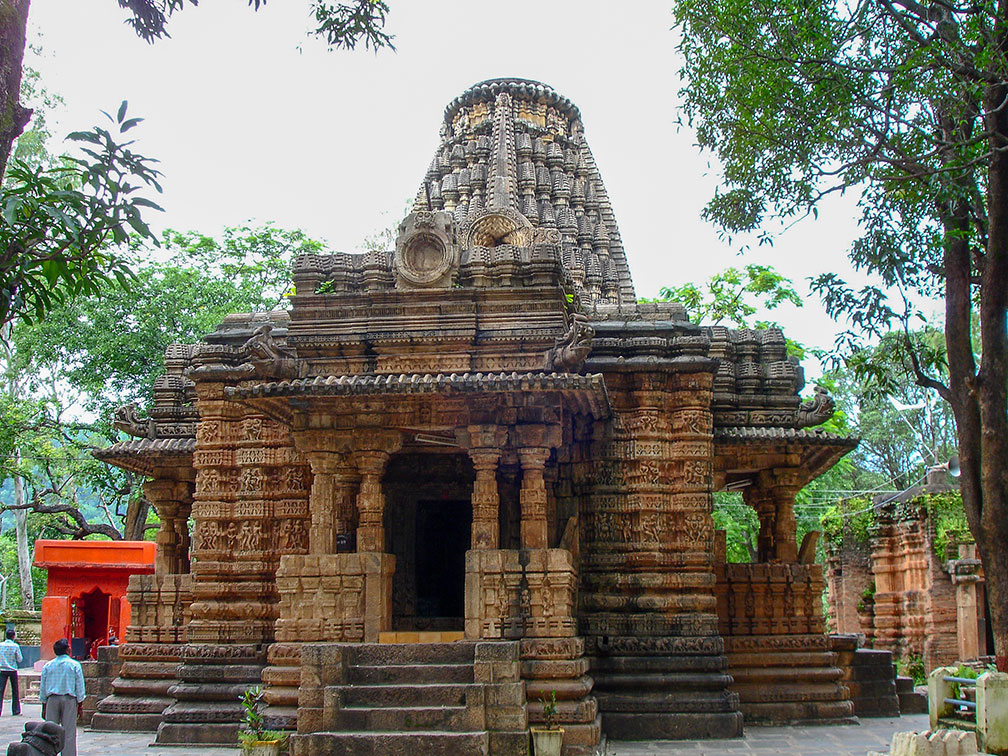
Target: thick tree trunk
x=991, y=387
x=13, y=116
x=21, y=539
x=135, y=522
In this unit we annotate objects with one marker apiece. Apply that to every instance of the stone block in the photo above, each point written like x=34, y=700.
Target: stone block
x=938, y=691
x=507, y=694
x=497, y=652
x=992, y=712
x=515, y=743
x=503, y=718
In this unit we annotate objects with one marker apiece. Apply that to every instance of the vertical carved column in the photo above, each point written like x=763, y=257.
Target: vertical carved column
x=484, y=443
x=533, y=444
x=372, y=456
x=533, y=498
x=371, y=501
x=786, y=485
x=322, y=502
x=172, y=500
x=485, y=499
x=333, y=489
x=759, y=499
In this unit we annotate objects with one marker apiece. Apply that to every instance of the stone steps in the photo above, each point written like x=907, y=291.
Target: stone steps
x=672, y=696
x=793, y=679
x=392, y=743
x=408, y=699
x=431, y=694
x=401, y=674
x=870, y=677
x=910, y=701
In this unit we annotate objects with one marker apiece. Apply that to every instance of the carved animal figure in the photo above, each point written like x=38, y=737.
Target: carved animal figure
x=571, y=350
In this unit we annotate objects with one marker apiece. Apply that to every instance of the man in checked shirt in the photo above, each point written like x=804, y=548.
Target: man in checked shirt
x=61, y=690
x=10, y=660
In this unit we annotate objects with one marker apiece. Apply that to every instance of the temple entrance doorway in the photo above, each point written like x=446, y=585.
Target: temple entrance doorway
x=443, y=532
x=428, y=526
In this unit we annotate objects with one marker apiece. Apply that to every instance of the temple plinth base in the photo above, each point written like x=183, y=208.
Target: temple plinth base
x=140, y=692
x=558, y=666
x=211, y=679
x=651, y=688
x=788, y=679
x=150, y=656
x=281, y=680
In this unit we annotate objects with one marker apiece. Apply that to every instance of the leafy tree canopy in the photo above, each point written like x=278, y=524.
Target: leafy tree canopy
x=89, y=355
x=904, y=102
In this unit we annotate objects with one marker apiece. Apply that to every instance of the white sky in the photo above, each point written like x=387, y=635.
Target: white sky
x=252, y=120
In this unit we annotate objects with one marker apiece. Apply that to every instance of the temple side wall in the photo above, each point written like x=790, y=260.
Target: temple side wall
x=848, y=576
x=647, y=581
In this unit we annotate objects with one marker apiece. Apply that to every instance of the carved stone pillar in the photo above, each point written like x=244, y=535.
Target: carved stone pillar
x=759, y=499
x=371, y=501
x=371, y=457
x=172, y=500
x=786, y=485
x=533, y=498
x=484, y=443
x=485, y=499
x=333, y=490
x=322, y=502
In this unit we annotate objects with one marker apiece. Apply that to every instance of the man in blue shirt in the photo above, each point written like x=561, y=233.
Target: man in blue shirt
x=61, y=690
x=10, y=660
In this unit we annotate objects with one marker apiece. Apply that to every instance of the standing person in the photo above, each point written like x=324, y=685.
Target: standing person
x=61, y=690
x=10, y=660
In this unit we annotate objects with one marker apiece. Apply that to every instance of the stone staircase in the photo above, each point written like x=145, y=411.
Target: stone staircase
x=870, y=676
x=436, y=699
x=910, y=700
x=673, y=696
x=790, y=679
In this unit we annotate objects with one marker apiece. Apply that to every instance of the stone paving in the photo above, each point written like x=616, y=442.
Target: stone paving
x=841, y=740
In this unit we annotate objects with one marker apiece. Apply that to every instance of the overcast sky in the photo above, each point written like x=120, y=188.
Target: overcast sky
x=253, y=121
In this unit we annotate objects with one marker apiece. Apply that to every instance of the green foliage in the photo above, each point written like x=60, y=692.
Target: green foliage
x=948, y=519
x=734, y=295
x=341, y=25
x=549, y=710
x=848, y=520
x=111, y=348
x=740, y=523
x=913, y=667
x=867, y=597
x=95, y=353
x=57, y=224
x=253, y=728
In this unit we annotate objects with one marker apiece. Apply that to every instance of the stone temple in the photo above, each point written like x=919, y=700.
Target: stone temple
x=460, y=475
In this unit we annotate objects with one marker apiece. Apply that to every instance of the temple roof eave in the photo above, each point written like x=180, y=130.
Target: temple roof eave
x=427, y=383
x=144, y=455
x=818, y=450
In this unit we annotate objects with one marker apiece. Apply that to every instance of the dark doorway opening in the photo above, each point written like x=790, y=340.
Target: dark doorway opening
x=90, y=612
x=443, y=533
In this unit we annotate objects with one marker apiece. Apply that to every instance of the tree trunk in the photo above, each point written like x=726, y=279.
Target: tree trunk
x=13, y=116
x=135, y=522
x=21, y=537
x=991, y=388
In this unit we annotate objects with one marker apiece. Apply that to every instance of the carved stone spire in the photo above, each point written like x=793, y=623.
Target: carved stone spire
x=513, y=168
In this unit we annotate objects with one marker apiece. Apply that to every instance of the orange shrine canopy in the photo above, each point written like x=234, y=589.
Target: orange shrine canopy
x=85, y=598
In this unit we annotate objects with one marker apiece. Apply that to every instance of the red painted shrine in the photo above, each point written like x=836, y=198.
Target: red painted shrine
x=86, y=589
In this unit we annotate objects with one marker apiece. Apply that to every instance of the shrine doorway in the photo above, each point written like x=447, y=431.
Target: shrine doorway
x=443, y=533
x=428, y=526
x=91, y=613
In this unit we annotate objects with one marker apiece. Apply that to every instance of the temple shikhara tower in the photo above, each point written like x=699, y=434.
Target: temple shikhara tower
x=462, y=474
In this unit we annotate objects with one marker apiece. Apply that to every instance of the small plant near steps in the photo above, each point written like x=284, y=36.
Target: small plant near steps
x=548, y=740
x=253, y=736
